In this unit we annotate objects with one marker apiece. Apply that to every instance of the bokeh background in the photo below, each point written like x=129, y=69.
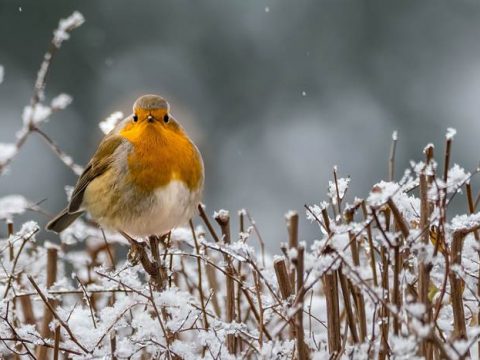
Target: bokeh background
x=275, y=93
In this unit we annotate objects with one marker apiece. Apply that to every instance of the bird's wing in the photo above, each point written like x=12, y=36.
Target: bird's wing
x=100, y=163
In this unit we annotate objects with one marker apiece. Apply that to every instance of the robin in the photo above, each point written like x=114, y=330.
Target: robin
x=145, y=178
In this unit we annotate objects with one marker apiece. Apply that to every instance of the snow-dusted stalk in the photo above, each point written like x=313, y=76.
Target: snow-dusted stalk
x=113, y=336
x=333, y=312
x=460, y=330
x=223, y=219
x=391, y=158
x=238, y=292
x=356, y=293
x=371, y=248
x=159, y=276
x=253, y=223
x=423, y=267
x=471, y=209
x=52, y=258
x=213, y=284
x=337, y=192
x=27, y=310
x=87, y=298
x=384, y=312
x=298, y=261
x=292, y=228
x=10, y=231
x=283, y=280
x=204, y=216
x=56, y=348
x=401, y=224
x=260, y=308
x=352, y=325
x=199, y=276
x=210, y=271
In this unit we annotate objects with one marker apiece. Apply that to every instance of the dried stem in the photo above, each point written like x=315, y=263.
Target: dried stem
x=199, y=277
x=223, y=219
x=52, y=255
x=299, y=269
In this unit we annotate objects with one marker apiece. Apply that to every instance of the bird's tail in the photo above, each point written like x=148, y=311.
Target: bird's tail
x=62, y=220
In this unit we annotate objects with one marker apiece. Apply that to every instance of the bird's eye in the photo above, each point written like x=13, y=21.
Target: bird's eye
x=135, y=118
x=166, y=118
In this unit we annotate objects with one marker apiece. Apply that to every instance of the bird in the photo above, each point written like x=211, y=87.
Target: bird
x=145, y=178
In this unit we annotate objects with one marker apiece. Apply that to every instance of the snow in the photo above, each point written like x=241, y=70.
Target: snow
x=457, y=177
x=451, y=132
x=12, y=205
x=38, y=114
x=428, y=146
x=381, y=192
x=463, y=222
x=292, y=254
x=28, y=228
x=61, y=101
x=416, y=310
x=290, y=214
x=7, y=151
x=395, y=135
x=316, y=210
x=221, y=214
x=65, y=25
x=110, y=122
x=342, y=188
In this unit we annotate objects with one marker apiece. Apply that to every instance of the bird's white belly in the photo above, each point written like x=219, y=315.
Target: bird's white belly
x=169, y=207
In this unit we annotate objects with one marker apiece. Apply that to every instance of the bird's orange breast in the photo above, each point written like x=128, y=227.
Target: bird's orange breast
x=160, y=155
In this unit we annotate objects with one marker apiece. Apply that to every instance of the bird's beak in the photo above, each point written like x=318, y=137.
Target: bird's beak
x=150, y=118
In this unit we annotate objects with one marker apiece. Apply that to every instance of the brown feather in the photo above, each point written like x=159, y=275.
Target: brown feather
x=62, y=220
x=100, y=163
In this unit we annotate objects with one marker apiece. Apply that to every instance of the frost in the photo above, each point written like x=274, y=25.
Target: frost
x=221, y=214
x=451, y=132
x=381, y=192
x=404, y=348
x=427, y=147
x=316, y=210
x=395, y=135
x=28, y=228
x=7, y=151
x=61, y=101
x=65, y=25
x=12, y=205
x=39, y=113
x=342, y=188
x=292, y=254
x=463, y=222
x=457, y=177
x=416, y=309
x=110, y=122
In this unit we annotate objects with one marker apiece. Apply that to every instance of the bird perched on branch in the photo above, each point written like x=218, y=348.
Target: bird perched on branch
x=145, y=178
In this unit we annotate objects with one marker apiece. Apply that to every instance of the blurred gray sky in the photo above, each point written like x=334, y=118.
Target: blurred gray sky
x=275, y=93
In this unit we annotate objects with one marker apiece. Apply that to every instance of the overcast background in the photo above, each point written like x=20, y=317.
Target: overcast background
x=275, y=93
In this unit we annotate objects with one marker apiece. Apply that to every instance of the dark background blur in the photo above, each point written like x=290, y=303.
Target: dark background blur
x=275, y=93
